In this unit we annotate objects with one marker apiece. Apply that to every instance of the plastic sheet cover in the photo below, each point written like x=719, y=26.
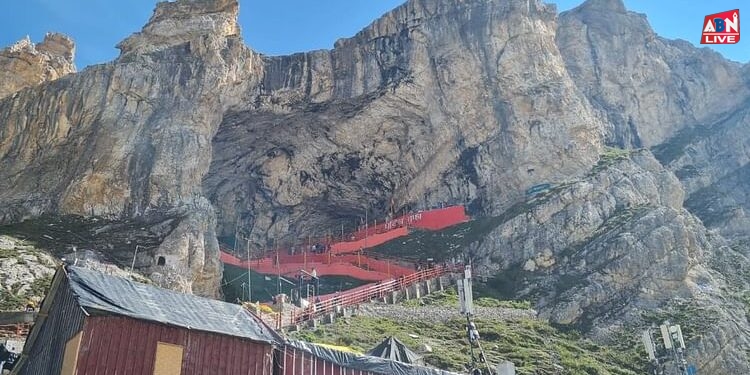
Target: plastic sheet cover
x=97, y=291
x=393, y=349
x=365, y=363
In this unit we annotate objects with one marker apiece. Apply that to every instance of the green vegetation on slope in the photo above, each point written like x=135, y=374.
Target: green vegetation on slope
x=15, y=257
x=533, y=346
x=13, y=300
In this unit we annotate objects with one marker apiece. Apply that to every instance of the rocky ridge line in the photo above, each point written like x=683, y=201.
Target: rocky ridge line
x=26, y=64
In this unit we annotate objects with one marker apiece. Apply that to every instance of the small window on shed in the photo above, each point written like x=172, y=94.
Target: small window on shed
x=168, y=359
x=161, y=261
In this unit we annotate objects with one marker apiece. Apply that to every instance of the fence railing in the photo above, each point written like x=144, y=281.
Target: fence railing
x=367, y=236
x=328, y=303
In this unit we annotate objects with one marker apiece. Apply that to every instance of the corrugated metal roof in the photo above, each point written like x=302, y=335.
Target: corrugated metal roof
x=116, y=295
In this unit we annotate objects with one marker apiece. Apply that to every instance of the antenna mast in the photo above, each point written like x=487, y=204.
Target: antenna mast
x=671, y=348
x=467, y=308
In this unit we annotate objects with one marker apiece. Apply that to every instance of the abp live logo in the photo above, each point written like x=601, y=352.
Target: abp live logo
x=721, y=28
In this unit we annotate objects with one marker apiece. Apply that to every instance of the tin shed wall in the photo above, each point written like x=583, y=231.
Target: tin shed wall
x=64, y=319
x=120, y=345
x=299, y=362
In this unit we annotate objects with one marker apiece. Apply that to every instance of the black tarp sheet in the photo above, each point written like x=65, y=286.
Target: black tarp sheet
x=364, y=362
x=393, y=349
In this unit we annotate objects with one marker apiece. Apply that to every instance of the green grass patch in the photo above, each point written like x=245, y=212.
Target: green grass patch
x=533, y=346
x=492, y=302
x=8, y=253
x=13, y=300
x=609, y=157
x=692, y=318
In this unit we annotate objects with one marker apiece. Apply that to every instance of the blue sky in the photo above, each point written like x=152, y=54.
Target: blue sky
x=279, y=27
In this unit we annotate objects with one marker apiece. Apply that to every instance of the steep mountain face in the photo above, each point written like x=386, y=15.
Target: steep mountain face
x=616, y=251
x=26, y=64
x=132, y=138
x=648, y=88
x=189, y=134
x=434, y=102
x=712, y=162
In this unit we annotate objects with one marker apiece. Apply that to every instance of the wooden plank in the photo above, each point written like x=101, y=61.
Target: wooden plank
x=70, y=356
x=168, y=359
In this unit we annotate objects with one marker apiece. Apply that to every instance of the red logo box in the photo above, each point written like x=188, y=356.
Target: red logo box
x=721, y=28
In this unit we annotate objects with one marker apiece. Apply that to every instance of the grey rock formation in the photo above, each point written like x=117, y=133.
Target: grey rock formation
x=25, y=64
x=176, y=23
x=603, y=252
x=433, y=102
x=22, y=265
x=131, y=138
x=646, y=86
x=189, y=134
x=712, y=161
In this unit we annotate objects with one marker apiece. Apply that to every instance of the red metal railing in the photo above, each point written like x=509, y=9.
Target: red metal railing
x=328, y=303
x=359, y=266
x=433, y=219
x=374, y=235
x=15, y=330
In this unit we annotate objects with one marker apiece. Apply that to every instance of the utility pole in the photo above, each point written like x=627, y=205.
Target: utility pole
x=236, y=230
x=366, y=227
x=466, y=299
x=249, y=279
x=278, y=265
x=132, y=265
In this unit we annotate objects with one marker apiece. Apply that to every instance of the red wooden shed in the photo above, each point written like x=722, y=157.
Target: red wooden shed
x=91, y=323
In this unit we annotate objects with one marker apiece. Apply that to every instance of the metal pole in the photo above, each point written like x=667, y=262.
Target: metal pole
x=468, y=336
x=249, y=280
x=278, y=266
x=236, y=229
x=135, y=253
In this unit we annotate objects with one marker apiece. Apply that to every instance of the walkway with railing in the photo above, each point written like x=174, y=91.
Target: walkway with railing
x=358, y=266
x=329, y=303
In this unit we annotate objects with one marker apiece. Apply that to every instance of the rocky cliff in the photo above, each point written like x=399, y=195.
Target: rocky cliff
x=27, y=64
x=647, y=87
x=132, y=138
x=615, y=251
x=189, y=134
x=435, y=101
